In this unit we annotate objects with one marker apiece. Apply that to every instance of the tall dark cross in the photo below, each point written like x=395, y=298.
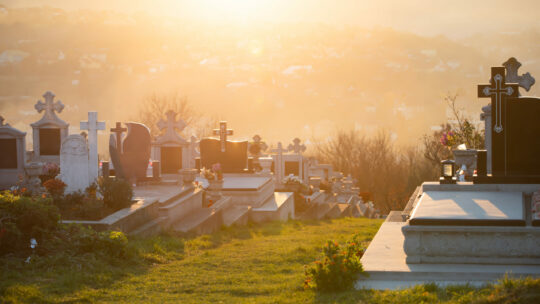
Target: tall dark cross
x=498, y=90
x=222, y=132
x=118, y=130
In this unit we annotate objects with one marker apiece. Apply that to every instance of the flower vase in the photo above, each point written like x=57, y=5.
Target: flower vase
x=214, y=190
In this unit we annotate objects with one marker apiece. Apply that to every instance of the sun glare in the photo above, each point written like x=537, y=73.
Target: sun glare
x=238, y=11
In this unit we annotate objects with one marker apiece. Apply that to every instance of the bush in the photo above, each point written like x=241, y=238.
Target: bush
x=23, y=218
x=84, y=240
x=338, y=270
x=50, y=171
x=80, y=205
x=117, y=193
x=55, y=187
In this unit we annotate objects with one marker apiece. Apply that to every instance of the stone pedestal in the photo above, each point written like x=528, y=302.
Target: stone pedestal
x=467, y=158
x=33, y=171
x=214, y=190
x=188, y=176
x=486, y=117
x=266, y=164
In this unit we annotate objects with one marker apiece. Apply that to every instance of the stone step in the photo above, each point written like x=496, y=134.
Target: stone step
x=200, y=221
x=334, y=211
x=151, y=228
x=238, y=215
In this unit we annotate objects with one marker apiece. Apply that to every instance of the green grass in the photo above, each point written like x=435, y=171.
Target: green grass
x=250, y=264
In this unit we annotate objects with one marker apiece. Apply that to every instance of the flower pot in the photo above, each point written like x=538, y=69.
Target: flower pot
x=467, y=158
x=188, y=175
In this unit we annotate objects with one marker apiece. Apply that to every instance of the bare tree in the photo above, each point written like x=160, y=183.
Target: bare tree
x=154, y=107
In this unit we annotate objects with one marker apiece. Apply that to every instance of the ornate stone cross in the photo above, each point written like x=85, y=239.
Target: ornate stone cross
x=498, y=90
x=223, y=132
x=171, y=124
x=118, y=130
x=92, y=125
x=525, y=81
x=49, y=106
x=297, y=147
x=261, y=144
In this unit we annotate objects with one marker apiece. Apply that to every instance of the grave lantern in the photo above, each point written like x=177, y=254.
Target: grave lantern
x=448, y=169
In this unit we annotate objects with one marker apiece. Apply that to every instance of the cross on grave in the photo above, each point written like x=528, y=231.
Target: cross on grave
x=118, y=130
x=257, y=141
x=49, y=106
x=223, y=132
x=92, y=125
x=498, y=90
x=525, y=81
x=2, y=122
x=297, y=147
x=171, y=124
x=279, y=162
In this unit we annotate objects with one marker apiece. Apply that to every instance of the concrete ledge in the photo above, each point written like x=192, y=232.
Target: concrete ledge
x=278, y=207
x=472, y=244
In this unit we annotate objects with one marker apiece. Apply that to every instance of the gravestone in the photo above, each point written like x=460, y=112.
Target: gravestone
x=277, y=166
x=74, y=163
x=12, y=155
x=132, y=162
x=294, y=162
x=233, y=160
x=514, y=150
x=92, y=125
x=171, y=149
x=49, y=131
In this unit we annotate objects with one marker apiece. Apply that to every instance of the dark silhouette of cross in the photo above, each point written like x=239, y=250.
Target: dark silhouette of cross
x=118, y=130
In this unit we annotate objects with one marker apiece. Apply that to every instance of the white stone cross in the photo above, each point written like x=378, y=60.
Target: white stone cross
x=223, y=132
x=171, y=124
x=92, y=125
x=279, y=162
x=297, y=147
x=49, y=106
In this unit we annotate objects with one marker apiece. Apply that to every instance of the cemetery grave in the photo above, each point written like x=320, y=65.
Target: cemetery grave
x=474, y=232
x=238, y=182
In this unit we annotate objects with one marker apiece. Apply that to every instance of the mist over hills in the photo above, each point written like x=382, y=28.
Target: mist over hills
x=281, y=80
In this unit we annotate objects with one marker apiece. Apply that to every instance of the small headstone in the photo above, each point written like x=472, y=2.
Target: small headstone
x=74, y=163
x=12, y=155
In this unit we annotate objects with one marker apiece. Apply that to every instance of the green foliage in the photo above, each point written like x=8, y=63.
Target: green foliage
x=23, y=218
x=110, y=244
x=117, y=193
x=338, y=270
x=80, y=205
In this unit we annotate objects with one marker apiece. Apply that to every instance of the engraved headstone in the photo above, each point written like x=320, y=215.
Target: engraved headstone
x=170, y=147
x=233, y=160
x=12, y=155
x=74, y=163
x=514, y=157
x=49, y=131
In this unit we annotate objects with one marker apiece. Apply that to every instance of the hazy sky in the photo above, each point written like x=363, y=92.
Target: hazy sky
x=455, y=18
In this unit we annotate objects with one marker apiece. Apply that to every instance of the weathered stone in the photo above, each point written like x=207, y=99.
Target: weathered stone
x=74, y=163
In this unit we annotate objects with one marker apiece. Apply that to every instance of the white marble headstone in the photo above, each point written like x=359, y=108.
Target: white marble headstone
x=74, y=163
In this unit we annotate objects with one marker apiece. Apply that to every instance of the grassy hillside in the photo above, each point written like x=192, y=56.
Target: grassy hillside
x=253, y=264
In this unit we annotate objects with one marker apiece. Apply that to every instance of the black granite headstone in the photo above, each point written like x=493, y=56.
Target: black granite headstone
x=136, y=151
x=49, y=141
x=292, y=167
x=515, y=132
x=233, y=160
x=8, y=153
x=171, y=160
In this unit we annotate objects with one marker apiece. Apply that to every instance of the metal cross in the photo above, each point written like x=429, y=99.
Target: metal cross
x=525, y=81
x=498, y=90
x=171, y=124
x=118, y=130
x=223, y=132
x=49, y=106
x=297, y=147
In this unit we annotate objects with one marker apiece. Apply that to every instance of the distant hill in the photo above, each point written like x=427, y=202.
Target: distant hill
x=280, y=80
